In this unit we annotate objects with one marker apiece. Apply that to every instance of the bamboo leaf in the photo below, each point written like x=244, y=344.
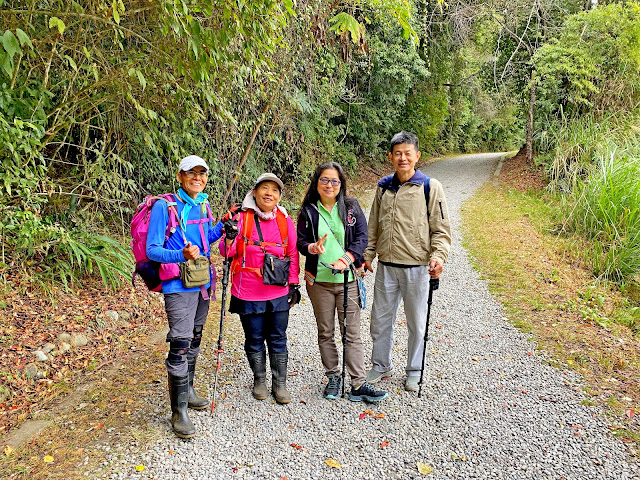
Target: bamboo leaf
x=24, y=38
x=71, y=62
x=10, y=44
x=55, y=22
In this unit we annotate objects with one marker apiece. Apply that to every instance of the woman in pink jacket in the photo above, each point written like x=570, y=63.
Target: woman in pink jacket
x=262, y=243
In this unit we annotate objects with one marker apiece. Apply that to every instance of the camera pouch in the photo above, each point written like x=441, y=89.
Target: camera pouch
x=275, y=271
x=195, y=273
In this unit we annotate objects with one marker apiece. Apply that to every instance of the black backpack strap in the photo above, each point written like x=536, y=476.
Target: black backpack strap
x=427, y=191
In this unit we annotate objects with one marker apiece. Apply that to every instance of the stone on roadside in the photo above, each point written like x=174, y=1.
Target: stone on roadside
x=48, y=347
x=112, y=316
x=124, y=316
x=78, y=340
x=64, y=337
x=64, y=347
x=41, y=356
x=31, y=371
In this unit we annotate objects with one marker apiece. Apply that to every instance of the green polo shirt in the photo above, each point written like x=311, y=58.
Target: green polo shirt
x=332, y=245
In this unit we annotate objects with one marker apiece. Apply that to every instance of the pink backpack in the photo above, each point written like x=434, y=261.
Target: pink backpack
x=149, y=270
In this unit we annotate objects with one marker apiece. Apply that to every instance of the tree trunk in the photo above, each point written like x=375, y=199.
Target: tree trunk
x=532, y=104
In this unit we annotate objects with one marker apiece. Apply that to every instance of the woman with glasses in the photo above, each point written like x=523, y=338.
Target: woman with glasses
x=186, y=308
x=332, y=234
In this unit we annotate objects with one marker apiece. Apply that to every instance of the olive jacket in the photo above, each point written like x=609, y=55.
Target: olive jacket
x=400, y=231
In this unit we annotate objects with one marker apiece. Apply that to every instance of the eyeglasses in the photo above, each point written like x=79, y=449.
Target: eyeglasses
x=194, y=174
x=333, y=181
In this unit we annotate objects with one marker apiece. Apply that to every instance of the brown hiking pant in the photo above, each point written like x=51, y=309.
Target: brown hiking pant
x=326, y=298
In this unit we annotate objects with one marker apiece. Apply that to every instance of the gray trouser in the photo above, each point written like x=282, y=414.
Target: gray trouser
x=187, y=314
x=393, y=284
x=327, y=298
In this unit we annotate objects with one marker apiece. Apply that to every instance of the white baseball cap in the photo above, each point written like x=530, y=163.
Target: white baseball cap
x=269, y=177
x=187, y=163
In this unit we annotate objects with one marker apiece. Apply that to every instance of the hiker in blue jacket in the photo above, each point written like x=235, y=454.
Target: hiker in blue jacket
x=186, y=308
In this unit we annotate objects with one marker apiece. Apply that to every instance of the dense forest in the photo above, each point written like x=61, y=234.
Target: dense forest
x=100, y=99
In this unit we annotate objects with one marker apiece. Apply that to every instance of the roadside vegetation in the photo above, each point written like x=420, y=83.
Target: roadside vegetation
x=100, y=99
x=543, y=276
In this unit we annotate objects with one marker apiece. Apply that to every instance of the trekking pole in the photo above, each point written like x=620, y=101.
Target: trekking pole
x=223, y=309
x=344, y=324
x=434, y=283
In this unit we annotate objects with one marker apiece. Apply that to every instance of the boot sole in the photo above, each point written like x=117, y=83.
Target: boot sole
x=198, y=407
x=260, y=397
x=185, y=435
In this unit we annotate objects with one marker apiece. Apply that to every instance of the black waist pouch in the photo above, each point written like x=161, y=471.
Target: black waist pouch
x=275, y=271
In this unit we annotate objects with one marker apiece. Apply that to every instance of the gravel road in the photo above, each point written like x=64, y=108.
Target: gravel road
x=492, y=408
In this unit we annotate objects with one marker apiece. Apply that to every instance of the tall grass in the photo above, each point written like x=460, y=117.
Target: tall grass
x=594, y=163
x=574, y=147
x=605, y=208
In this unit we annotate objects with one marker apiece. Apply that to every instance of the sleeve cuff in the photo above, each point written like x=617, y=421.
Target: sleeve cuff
x=347, y=258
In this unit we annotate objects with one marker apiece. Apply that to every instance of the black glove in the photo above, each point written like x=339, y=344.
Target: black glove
x=294, y=295
x=232, y=211
x=231, y=229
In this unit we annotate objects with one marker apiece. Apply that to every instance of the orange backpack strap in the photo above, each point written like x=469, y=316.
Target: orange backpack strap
x=284, y=229
x=237, y=264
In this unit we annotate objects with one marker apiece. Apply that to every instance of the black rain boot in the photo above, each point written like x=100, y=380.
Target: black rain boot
x=195, y=402
x=258, y=362
x=279, y=376
x=179, y=394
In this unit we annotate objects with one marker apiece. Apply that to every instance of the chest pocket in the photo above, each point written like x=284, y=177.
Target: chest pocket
x=415, y=213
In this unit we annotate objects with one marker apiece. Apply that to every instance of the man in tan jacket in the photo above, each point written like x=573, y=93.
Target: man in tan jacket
x=409, y=231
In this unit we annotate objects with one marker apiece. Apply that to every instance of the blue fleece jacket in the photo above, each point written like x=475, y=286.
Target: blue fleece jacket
x=171, y=251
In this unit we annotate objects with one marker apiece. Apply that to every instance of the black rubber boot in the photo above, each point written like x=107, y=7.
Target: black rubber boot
x=179, y=394
x=258, y=362
x=279, y=376
x=195, y=402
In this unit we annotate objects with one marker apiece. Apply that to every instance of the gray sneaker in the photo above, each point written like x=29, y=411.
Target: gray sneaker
x=411, y=385
x=332, y=391
x=374, y=376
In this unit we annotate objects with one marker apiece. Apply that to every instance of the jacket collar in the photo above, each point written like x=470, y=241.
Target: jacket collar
x=391, y=181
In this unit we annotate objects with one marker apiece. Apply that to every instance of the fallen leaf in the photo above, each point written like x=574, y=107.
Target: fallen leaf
x=630, y=413
x=424, y=469
x=48, y=459
x=385, y=444
x=8, y=450
x=332, y=463
x=303, y=402
x=140, y=468
x=380, y=415
x=296, y=446
x=362, y=415
x=223, y=395
x=577, y=426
